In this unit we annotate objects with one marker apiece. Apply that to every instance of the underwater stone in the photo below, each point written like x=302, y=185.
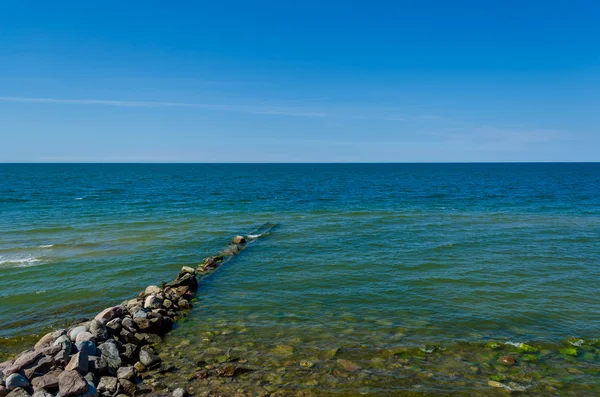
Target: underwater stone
x=507, y=360
x=179, y=392
x=527, y=348
x=569, y=351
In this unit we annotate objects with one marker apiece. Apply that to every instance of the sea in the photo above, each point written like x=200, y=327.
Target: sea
x=377, y=279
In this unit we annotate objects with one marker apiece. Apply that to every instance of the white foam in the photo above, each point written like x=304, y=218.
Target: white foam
x=19, y=261
x=78, y=198
x=515, y=344
x=46, y=246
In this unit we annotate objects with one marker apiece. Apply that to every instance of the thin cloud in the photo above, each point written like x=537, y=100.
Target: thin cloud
x=261, y=110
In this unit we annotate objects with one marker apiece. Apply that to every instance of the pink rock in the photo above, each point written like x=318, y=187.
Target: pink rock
x=110, y=313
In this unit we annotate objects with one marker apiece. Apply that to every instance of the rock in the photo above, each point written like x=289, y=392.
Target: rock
x=227, y=371
x=114, y=325
x=150, y=339
x=569, y=351
x=187, y=270
x=15, y=380
x=48, y=339
x=110, y=352
x=22, y=361
x=87, y=346
x=129, y=324
x=348, y=365
x=71, y=383
x=47, y=382
x=507, y=360
x=139, y=367
x=110, y=314
x=79, y=363
x=494, y=383
x=98, y=365
x=84, y=336
x=167, y=304
x=128, y=351
x=18, y=392
x=238, y=240
x=90, y=378
x=62, y=357
x=98, y=331
x=50, y=350
x=128, y=387
x=179, y=392
x=76, y=331
x=65, y=343
x=188, y=280
x=153, y=302
x=42, y=393
x=90, y=391
x=107, y=384
x=148, y=357
x=126, y=373
x=283, y=350
x=527, y=348
x=3, y=390
x=152, y=289
x=40, y=367
x=183, y=304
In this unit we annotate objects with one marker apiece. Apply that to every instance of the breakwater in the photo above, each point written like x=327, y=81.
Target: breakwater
x=111, y=354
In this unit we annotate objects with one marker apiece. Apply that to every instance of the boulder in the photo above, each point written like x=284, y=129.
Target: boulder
x=62, y=358
x=65, y=343
x=14, y=381
x=187, y=270
x=76, y=331
x=128, y=387
x=110, y=352
x=71, y=383
x=86, y=346
x=110, y=313
x=84, y=336
x=153, y=302
x=40, y=367
x=179, y=392
x=129, y=324
x=18, y=392
x=79, y=363
x=187, y=279
x=148, y=357
x=184, y=304
x=90, y=391
x=152, y=289
x=42, y=393
x=508, y=361
x=114, y=325
x=98, y=365
x=24, y=360
x=46, y=382
x=127, y=373
x=48, y=339
x=50, y=350
x=238, y=240
x=107, y=384
x=98, y=331
x=128, y=352
x=3, y=390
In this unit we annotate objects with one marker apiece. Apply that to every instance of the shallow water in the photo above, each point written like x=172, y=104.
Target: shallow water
x=365, y=258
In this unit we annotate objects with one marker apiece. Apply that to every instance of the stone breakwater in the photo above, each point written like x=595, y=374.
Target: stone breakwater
x=110, y=354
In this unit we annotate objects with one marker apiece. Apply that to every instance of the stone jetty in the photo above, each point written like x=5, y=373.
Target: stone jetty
x=109, y=354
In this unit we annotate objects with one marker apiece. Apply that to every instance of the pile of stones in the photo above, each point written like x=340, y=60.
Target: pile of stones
x=108, y=355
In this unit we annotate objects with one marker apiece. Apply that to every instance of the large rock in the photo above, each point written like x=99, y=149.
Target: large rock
x=187, y=270
x=107, y=384
x=152, y=289
x=42, y=393
x=98, y=365
x=18, y=392
x=148, y=357
x=126, y=373
x=47, y=382
x=187, y=279
x=83, y=336
x=98, y=331
x=110, y=313
x=90, y=392
x=179, y=392
x=15, y=380
x=65, y=343
x=153, y=302
x=38, y=368
x=22, y=361
x=128, y=387
x=128, y=352
x=87, y=346
x=114, y=325
x=48, y=339
x=238, y=240
x=110, y=352
x=79, y=363
x=76, y=331
x=3, y=390
x=71, y=383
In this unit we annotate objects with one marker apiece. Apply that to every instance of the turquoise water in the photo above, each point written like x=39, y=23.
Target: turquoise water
x=364, y=256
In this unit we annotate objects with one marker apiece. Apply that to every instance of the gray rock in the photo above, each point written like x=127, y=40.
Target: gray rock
x=15, y=380
x=140, y=314
x=50, y=350
x=238, y=240
x=83, y=336
x=107, y=384
x=110, y=352
x=167, y=303
x=65, y=343
x=71, y=383
x=98, y=365
x=76, y=331
x=87, y=346
x=22, y=361
x=62, y=358
x=129, y=350
x=126, y=373
x=98, y=330
x=129, y=323
x=3, y=390
x=152, y=289
x=148, y=357
x=48, y=339
x=18, y=392
x=179, y=392
x=47, y=382
x=114, y=325
x=90, y=378
x=110, y=313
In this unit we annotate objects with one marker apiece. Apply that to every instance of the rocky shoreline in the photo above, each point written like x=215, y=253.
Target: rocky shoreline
x=112, y=354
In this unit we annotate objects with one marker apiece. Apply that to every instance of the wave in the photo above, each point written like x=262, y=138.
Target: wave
x=46, y=246
x=20, y=261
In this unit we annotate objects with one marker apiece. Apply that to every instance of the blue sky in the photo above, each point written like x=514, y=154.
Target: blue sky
x=310, y=81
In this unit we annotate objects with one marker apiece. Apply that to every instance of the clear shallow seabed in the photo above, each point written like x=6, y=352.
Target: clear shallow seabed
x=378, y=279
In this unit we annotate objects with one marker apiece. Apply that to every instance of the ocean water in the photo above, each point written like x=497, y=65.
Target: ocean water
x=405, y=271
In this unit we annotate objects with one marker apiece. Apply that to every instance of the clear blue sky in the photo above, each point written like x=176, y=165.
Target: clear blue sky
x=309, y=81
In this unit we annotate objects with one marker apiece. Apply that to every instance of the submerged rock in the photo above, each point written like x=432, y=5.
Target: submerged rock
x=507, y=361
x=179, y=392
x=569, y=351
